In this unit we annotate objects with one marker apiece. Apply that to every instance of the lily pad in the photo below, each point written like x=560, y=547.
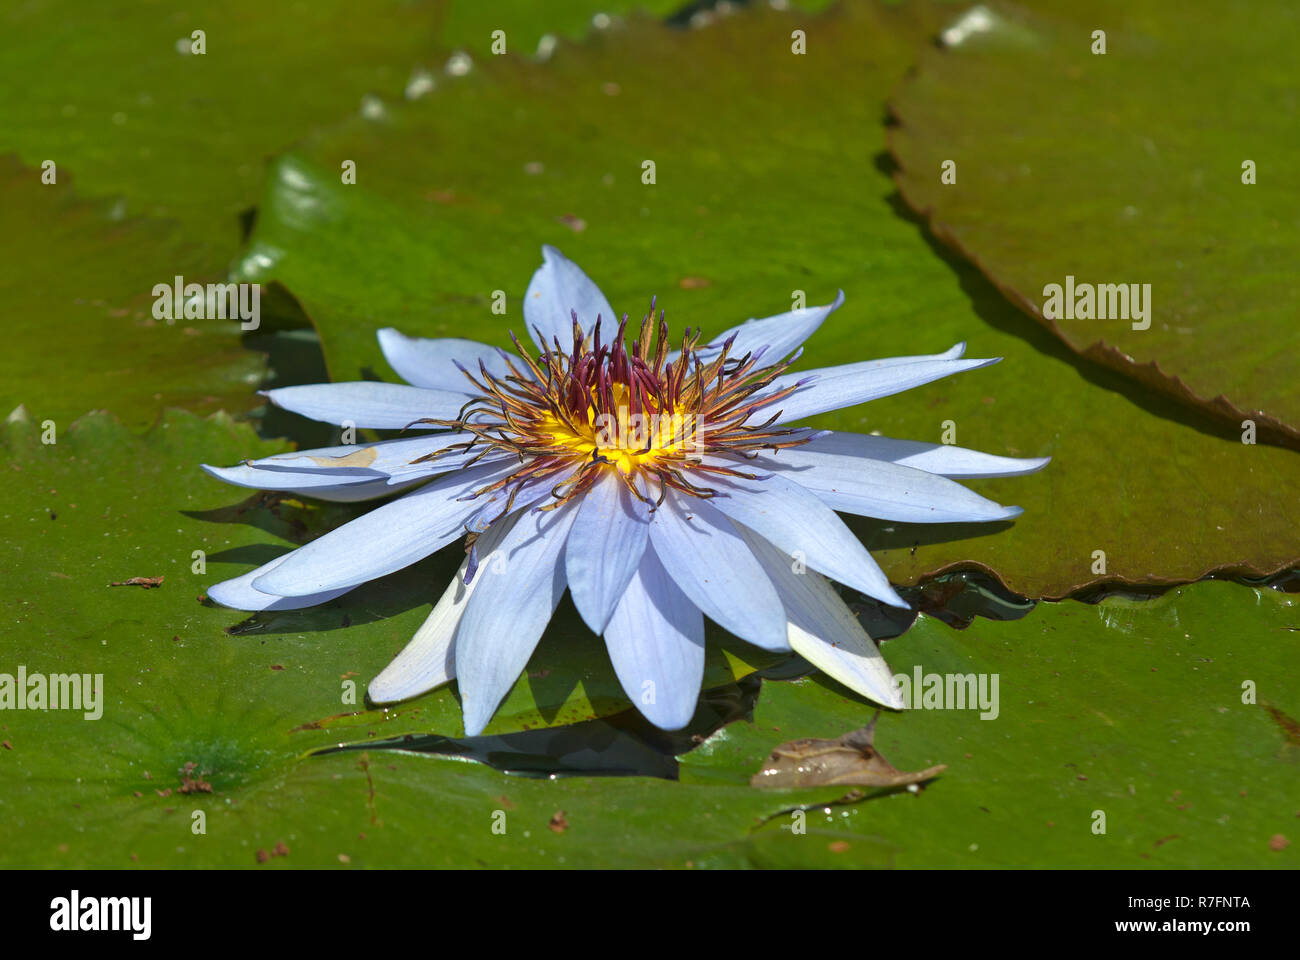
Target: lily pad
x=103, y=581
x=1137, y=732
x=787, y=189
x=183, y=134
x=532, y=29
x=1144, y=699
x=1123, y=143
x=78, y=311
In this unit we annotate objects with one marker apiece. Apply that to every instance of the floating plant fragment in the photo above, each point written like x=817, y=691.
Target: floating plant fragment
x=851, y=759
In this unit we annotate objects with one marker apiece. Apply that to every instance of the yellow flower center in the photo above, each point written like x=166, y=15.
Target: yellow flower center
x=623, y=439
x=569, y=417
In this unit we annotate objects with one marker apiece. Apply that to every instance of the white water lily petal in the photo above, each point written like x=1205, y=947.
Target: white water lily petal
x=878, y=488
x=831, y=388
x=508, y=612
x=240, y=594
x=604, y=549
x=709, y=561
x=558, y=288
x=795, y=520
x=364, y=403
x=777, y=336
x=655, y=641
x=429, y=660
x=322, y=486
x=431, y=363
x=368, y=459
x=823, y=630
x=352, y=472
x=944, y=459
x=401, y=461
x=387, y=538
x=346, y=486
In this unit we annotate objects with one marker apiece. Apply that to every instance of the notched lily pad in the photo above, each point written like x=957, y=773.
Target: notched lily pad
x=851, y=760
x=77, y=308
x=1134, y=148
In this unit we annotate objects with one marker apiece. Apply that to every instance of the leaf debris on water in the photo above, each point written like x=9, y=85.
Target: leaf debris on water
x=146, y=582
x=848, y=759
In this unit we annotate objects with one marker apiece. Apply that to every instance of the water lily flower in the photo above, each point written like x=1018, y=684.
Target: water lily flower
x=658, y=485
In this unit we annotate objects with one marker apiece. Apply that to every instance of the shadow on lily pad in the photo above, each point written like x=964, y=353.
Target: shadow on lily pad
x=622, y=745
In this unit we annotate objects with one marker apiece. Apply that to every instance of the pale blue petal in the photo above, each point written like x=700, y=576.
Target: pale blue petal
x=429, y=660
x=352, y=472
x=655, y=641
x=343, y=487
x=823, y=630
x=558, y=288
x=508, y=612
x=422, y=362
x=878, y=488
x=363, y=403
x=944, y=459
x=240, y=594
x=711, y=564
x=831, y=388
x=365, y=459
x=445, y=463
x=796, y=521
x=387, y=538
x=604, y=548
x=781, y=335
x=322, y=486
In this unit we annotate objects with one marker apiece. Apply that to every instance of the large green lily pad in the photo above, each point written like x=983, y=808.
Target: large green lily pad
x=188, y=682
x=77, y=305
x=185, y=135
x=1100, y=708
x=145, y=498
x=1172, y=716
x=787, y=189
x=1128, y=167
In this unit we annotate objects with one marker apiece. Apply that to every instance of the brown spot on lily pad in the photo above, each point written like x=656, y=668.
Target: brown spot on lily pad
x=559, y=822
x=147, y=582
x=1278, y=842
x=191, y=782
x=1288, y=725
